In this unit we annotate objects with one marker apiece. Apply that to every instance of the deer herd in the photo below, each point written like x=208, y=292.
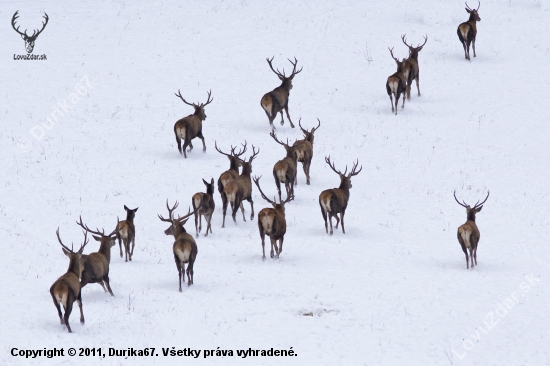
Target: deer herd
x=235, y=187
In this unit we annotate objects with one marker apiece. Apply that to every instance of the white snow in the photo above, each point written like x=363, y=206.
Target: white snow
x=393, y=290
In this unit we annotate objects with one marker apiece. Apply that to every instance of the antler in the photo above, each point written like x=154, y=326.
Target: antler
x=391, y=52
x=354, y=172
x=254, y=154
x=315, y=128
x=221, y=152
x=257, y=182
x=278, y=73
x=272, y=134
x=425, y=40
x=312, y=130
x=15, y=16
x=240, y=151
x=478, y=5
x=43, y=26
x=209, y=100
x=481, y=204
x=97, y=232
x=463, y=204
x=405, y=42
x=294, y=72
x=301, y=128
x=327, y=160
x=86, y=240
x=170, y=212
x=179, y=95
x=189, y=213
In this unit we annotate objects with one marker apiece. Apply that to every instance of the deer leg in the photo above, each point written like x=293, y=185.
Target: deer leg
x=59, y=307
x=288, y=116
x=330, y=221
x=178, y=266
x=126, y=248
x=475, y=255
x=342, y=218
x=102, y=285
x=282, y=120
x=281, y=245
x=133, y=246
x=106, y=279
x=190, y=271
x=79, y=302
x=209, y=224
x=418, y=82
x=262, y=236
x=184, y=148
x=273, y=244
x=242, y=210
x=403, y=106
x=391, y=101
x=119, y=245
x=251, y=208
x=178, y=140
x=199, y=135
x=474, y=46
x=68, y=310
x=224, y=208
x=324, y=218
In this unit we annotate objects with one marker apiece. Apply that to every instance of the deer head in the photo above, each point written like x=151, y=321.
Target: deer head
x=286, y=80
x=413, y=51
x=277, y=206
x=29, y=40
x=234, y=158
x=473, y=12
x=345, y=179
x=471, y=211
x=309, y=135
x=176, y=225
x=199, y=108
x=247, y=165
x=290, y=150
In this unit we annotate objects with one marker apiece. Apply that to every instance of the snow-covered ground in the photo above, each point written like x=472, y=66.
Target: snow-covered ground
x=393, y=290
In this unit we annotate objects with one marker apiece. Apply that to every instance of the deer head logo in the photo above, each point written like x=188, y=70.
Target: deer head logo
x=29, y=40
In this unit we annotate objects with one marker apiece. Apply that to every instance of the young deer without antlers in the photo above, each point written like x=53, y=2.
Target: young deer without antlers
x=284, y=171
x=126, y=232
x=272, y=222
x=229, y=175
x=185, y=248
x=467, y=31
x=304, y=153
x=203, y=205
x=95, y=266
x=397, y=83
x=240, y=188
x=66, y=290
x=277, y=99
x=29, y=40
x=468, y=234
x=189, y=127
x=412, y=65
x=335, y=201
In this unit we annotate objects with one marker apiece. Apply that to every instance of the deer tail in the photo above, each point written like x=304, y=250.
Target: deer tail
x=267, y=104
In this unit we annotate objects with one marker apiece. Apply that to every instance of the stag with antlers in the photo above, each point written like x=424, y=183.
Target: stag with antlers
x=335, y=201
x=185, y=248
x=277, y=99
x=397, y=83
x=189, y=127
x=467, y=31
x=95, y=266
x=468, y=234
x=412, y=65
x=304, y=153
x=240, y=188
x=272, y=222
x=66, y=290
x=29, y=40
x=284, y=171
x=227, y=176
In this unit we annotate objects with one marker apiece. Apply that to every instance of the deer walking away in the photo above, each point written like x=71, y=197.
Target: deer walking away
x=397, y=83
x=467, y=31
x=126, y=233
x=468, y=234
x=233, y=172
x=189, y=127
x=411, y=65
x=203, y=205
x=284, y=170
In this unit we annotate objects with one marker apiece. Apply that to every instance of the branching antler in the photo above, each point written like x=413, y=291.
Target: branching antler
x=15, y=16
x=96, y=232
x=278, y=73
x=391, y=52
x=478, y=5
x=272, y=134
x=186, y=102
x=254, y=154
x=331, y=165
x=354, y=170
x=481, y=204
x=208, y=100
x=464, y=204
x=294, y=72
x=257, y=182
x=86, y=240
x=312, y=130
x=35, y=33
x=170, y=212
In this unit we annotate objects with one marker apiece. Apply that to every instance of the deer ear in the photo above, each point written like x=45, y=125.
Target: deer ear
x=212, y=181
x=479, y=208
x=136, y=209
x=98, y=238
x=126, y=208
x=467, y=11
x=66, y=252
x=183, y=222
x=205, y=183
x=281, y=77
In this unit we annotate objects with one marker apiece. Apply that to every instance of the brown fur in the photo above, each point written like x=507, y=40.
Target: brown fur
x=276, y=100
x=203, y=205
x=397, y=83
x=272, y=222
x=240, y=188
x=229, y=175
x=412, y=71
x=468, y=234
x=304, y=151
x=126, y=232
x=185, y=248
x=66, y=290
x=284, y=170
x=335, y=201
x=189, y=127
x=467, y=32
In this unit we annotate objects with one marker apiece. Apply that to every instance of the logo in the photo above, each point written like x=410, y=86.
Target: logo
x=29, y=40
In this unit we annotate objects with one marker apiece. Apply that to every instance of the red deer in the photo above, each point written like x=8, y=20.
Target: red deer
x=284, y=170
x=240, y=188
x=335, y=201
x=29, y=40
x=229, y=175
x=189, y=127
x=66, y=290
x=95, y=266
x=272, y=222
x=467, y=31
x=277, y=99
x=304, y=153
x=397, y=83
x=468, y=234
x=203, y=205
x=185, y=248
x=412, y=65
x=126, y=232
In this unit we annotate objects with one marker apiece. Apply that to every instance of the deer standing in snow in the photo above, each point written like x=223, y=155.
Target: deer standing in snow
x=227, y=176
x=189, y=127
x=284, y=171
x=468, y=233
x=203, y=205
x=467, y=31
x=126, y=232
x=412, y=65
x=304, y=153
x=397, y=83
